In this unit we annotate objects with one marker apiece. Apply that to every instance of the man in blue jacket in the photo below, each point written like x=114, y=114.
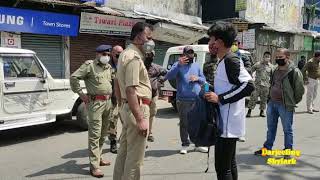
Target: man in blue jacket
x=189, y=78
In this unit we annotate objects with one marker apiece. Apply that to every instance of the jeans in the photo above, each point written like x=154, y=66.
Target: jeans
x=184, y=108
x=225, y=159
x=274, y=111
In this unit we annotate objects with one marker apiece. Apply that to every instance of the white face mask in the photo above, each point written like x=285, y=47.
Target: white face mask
x=104, y=59
x=148, y=46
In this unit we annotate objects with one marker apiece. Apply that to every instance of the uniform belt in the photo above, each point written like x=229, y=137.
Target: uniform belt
x=141, y=101
x=100, y=97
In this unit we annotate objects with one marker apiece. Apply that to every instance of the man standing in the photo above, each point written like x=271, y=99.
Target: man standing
x=189, y=78
x=97, y=77
x=262, y=84
x=133, y=88
x=115, y=53
x=155, y=73
x=302, y=62
x=311, y=74
x=286, y=91
x=231, y=84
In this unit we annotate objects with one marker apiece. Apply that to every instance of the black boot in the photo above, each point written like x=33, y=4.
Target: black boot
x=262, y=114
x=113, y=146
x=249, y=113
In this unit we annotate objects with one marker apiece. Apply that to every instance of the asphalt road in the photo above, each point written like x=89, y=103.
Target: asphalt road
x=59, y=151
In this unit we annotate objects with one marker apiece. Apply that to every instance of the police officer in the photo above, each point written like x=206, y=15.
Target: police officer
x=262, y=83
x=155, y=73
x=97, y=77
x=134, y=88
x=112, y=129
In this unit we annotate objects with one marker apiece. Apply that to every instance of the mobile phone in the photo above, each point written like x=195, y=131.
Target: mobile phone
x=206, y=87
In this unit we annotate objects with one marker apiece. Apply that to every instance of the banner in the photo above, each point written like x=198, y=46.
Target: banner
x=37, y=22
x=105, y=24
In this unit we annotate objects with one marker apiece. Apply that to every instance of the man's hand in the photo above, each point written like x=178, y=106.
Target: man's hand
x=211, y=97
x=193, y=78
x=143, y=126
x=84, y=98
x=183, y=60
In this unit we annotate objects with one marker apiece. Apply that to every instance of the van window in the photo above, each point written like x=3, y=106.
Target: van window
x=20, y=66
x=174, y=58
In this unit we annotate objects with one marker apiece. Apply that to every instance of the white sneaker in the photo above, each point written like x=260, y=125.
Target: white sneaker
x=242, y=139
x=202, y=149
x=184, y=150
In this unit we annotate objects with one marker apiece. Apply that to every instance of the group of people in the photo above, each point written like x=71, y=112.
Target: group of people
x=123, y=84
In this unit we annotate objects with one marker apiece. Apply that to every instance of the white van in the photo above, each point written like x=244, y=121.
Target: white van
x=29, y=95
x=202, y=55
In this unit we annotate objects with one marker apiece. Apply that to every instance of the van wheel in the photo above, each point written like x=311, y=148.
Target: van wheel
x=82, y=117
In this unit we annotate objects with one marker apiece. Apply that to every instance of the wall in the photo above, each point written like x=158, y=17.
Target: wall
x=285, y=15
x=189, y=7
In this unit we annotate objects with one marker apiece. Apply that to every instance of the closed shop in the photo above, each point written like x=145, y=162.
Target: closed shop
x=83, y=47
x=49, y=49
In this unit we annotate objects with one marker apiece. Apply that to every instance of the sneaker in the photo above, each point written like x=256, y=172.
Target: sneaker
x=262, y=114
x=258, y=153
x=310, y=112
x=150, y=138
x=184, y=150
x=202, y=149
x=242, y=139
x=315, y=110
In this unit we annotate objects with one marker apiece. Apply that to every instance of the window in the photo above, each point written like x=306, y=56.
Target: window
x=21, y=66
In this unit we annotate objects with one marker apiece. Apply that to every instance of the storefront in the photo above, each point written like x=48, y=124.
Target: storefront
x=96, y=29
x=43, y=32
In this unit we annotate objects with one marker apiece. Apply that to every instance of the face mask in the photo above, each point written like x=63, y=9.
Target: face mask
x=104, y=59
x=234, y=48
x=267, y=59
x=281, y=62
x=190, y=60
x=148, y=46
x=148, y=61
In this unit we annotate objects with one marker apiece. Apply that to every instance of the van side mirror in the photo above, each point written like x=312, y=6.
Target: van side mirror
x=44, y=77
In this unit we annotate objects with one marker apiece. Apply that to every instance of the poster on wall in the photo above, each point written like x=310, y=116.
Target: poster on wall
x=248, y=39
x=12, y=40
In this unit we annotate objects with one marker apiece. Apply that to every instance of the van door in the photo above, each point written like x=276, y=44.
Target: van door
x=24, y=89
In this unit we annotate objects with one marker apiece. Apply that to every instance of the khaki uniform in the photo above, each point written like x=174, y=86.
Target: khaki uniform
x=262, y=85
x=131, y=72
x=112, y=129
x=97, y=78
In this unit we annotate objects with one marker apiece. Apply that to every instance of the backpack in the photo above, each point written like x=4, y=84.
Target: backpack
x=202, y=124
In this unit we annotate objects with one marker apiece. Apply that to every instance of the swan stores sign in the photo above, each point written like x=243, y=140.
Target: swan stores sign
x=105, y=24
x=38, y=22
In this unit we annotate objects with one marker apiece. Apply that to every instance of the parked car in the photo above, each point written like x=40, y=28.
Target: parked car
x=202, y=54
x=29, y=95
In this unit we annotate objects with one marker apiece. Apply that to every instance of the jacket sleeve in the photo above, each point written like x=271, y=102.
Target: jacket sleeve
x=242, y=81
x=298, y=86
x=304, y=71
x=79, y=74
x=173, y=71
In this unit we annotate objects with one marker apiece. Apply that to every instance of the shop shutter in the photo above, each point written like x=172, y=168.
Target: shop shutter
x=49, y=51
x=161, y=49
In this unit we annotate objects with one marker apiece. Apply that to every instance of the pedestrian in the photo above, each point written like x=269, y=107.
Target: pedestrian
x=112, y=129
x=189, y=78
x=155, y=73
x=263, y=71
x=210, y=67
x=286, y=91
x=302, y=62
x=134, y=88
x=311, y=74
x=97, y=77
x=231, y=84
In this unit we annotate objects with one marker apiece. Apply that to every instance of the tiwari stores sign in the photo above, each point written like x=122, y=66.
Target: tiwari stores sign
x=105, y=24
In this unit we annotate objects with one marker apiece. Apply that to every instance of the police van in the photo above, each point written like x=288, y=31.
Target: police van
x=29, y=95
x=172, y=55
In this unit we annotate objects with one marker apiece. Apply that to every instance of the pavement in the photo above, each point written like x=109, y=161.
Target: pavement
x=58, y=151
